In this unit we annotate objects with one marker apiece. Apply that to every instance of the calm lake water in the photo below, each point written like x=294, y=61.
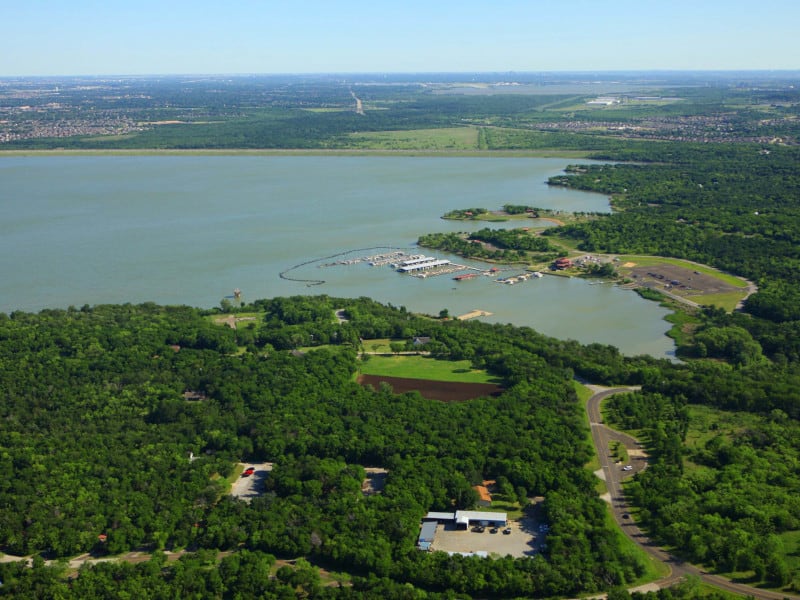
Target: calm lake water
x=80, y=230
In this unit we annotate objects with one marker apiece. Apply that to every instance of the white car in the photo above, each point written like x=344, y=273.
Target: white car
x=627, y=468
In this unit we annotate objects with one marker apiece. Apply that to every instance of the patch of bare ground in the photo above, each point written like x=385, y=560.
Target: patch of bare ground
x=375, y=481
x=681, y=280
x=445, y=391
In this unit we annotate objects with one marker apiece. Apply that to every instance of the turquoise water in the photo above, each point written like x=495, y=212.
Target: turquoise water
x=189, y=229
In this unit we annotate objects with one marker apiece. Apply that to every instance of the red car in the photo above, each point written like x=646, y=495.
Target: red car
x=248, y=471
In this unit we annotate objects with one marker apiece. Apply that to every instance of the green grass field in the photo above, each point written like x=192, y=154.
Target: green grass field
x=728, y=301
x=424, y=367
x=451, y=138
x=707, y=422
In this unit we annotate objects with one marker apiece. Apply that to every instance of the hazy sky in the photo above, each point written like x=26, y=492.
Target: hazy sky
x=93, y=37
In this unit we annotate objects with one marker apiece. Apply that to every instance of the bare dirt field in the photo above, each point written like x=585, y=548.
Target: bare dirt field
x=251, y=487
x=690, y=283
x=525, y=539
x=446, y=391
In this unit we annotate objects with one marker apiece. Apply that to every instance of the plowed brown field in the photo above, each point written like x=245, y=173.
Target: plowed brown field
x=446, y=391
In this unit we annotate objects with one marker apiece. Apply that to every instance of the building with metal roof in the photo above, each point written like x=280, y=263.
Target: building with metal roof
x=440, y=516
x=465, y=517
x=427, y=534
x=424, y=265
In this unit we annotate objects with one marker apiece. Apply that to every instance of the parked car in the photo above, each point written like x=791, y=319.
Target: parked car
x=507, y=531
x=248, y=471
x=493, y=530
x=627, y=468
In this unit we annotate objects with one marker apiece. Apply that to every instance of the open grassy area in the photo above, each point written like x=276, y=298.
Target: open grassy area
x=706, y=422
x=381, y=345
x=451, y=138
x=424, y=367
x=727, y=302
x=513, y=509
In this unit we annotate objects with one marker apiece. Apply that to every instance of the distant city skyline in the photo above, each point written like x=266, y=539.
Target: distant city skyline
x=82, y=37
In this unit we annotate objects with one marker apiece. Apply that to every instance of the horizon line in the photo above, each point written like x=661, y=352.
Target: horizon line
x=595, y=72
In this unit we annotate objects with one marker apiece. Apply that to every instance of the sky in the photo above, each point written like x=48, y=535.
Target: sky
x=149, y=37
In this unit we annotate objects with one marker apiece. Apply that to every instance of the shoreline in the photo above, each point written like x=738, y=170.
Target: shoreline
x=567, y=154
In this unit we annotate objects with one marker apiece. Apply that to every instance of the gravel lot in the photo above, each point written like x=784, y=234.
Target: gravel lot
x=251, y=487
x=524, y=540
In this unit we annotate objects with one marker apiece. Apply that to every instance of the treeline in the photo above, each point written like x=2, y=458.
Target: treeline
x=103, y=406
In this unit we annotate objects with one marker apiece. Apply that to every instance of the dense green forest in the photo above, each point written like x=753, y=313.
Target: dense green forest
x=97, y=427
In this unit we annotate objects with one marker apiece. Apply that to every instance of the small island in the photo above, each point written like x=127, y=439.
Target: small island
x=520, y=212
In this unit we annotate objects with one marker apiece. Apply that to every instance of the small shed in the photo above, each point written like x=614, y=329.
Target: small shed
x=484, y=497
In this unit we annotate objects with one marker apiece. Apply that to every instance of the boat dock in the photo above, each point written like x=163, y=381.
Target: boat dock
x=380, y=260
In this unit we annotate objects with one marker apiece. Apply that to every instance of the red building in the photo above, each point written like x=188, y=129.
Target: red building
x=563, y=263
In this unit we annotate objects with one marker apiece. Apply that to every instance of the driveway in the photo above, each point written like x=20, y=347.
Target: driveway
x=252, y=486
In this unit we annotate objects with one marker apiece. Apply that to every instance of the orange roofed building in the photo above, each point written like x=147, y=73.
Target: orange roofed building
x=484, y=497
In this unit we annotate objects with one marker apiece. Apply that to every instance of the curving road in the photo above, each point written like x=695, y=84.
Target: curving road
x=602, y=435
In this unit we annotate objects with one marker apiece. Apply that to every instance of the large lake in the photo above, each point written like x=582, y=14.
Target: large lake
x=80, y=230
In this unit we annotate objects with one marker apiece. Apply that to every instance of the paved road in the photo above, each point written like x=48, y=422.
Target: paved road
x=602, y=436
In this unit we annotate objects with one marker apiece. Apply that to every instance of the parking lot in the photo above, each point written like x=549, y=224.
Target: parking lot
x=525, y=539
x=251, y=486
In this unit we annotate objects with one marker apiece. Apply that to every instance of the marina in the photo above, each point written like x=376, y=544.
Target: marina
x=423, y=266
